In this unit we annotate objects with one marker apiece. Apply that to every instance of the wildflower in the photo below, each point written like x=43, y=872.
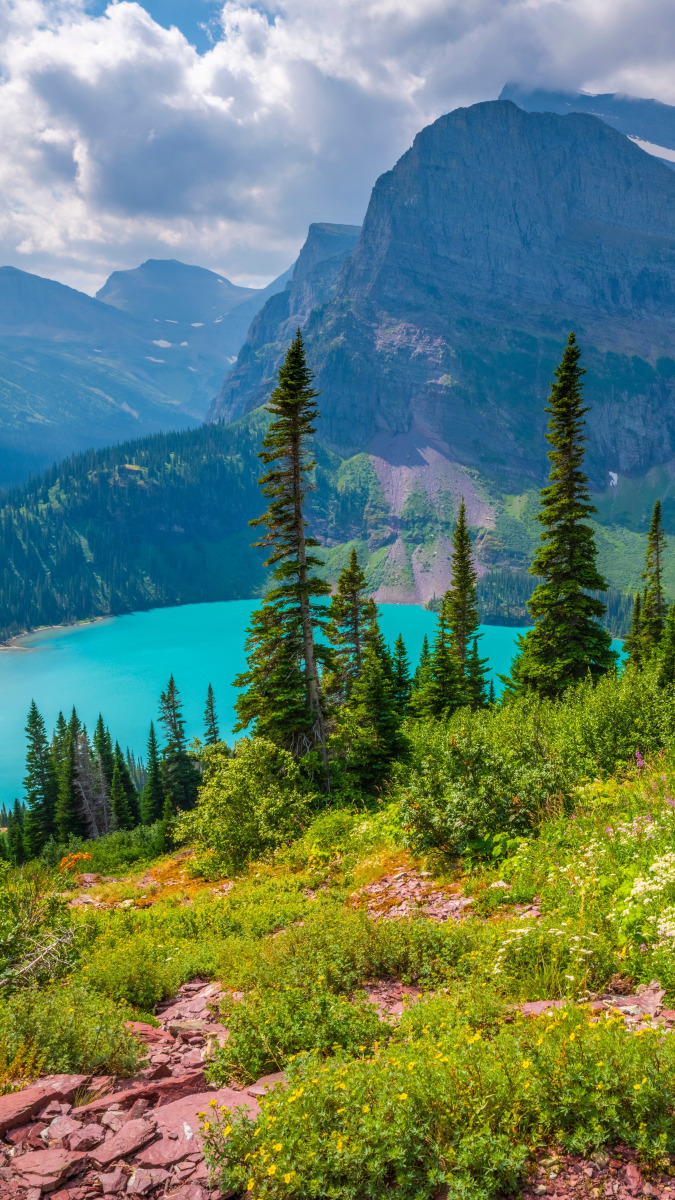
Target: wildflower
x=207, y=1126
x=403, y=1096
x=227, y=1130
x=212, y=1103
x=272, y=1170
x=366, y=1108
x=287, y=1177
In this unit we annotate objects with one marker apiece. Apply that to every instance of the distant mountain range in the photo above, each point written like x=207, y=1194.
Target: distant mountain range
x=78, y=372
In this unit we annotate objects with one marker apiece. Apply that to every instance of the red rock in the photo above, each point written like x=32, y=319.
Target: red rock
x=181, y=1117
x=163, y=1090
x=191, y=1059
x=113, y=1182
x=137, y=1109
x=62, y=1127
x=189, y=1191
x=87, y=1138
x=34, y=1193
x=166, y=1152
x=19, y=1107
x=46, y=1169
x=18, y=1135
x=633, y=1179
x=128, y=1141
x=267, y=1082
x=143, y=1181
x=534, y=1008
x=157, y=1071
x=55, y=1108
x=149, y=1033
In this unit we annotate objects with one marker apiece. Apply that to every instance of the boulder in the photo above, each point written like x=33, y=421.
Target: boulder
x=167, y=1151
x=159, y=1091
x=46, y=1169
x=181, y=1118
x=128, y=1141
x=113, y=1182
x=149, y=1034
x=266, y=1083
x=20, y=1107
x=88, y=1137
x=62, y=1127
x=144, y=1181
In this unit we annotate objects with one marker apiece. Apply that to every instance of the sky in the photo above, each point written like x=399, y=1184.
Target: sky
x=215, y=133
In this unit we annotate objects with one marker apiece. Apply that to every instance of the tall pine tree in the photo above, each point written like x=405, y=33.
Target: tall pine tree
x=152, y=799
x=566, y=643
x=368, y=733
x=121, y=815
x=211, y=734
x=476, y=682
x=441, y=688
x=461, y=600
x=104, y=749
x=349, y=615
x=40, y=785
x=180, y=776
x=653, y=617
x=401, y=681
x=633, y=643
x=281, y=688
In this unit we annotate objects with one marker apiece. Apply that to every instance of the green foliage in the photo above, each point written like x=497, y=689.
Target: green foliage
x=566, y=643
x=349, y=613
x=269, y=1027
x=152, y=798
x=180, y=777
x=461, y=602
x=439, y=686
x=491, y=771
x=653, y=617
x=250, y=803
x=73, y=1029
x=146, y=966
x=211, y=734
x=110, y=854
x=35, y=928
x=367, y=737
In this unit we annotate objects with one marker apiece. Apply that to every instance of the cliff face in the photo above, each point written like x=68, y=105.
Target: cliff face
x=493, y=236
x=312, y=282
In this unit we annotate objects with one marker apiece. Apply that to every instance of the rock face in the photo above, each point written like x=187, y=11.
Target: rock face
x=493, y=236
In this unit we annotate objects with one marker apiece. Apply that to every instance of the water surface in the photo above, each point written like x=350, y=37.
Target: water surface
x=119, y=666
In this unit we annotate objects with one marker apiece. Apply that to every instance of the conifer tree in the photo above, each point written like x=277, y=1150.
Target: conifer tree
x=653, y=619
x=422, y=669
x=211, y=734
x=180, y=777
x=666, y=674
x=152, y=800
x=633, y=643
x=373, y=636
x=476, y=682
x=402, y=683
x=128, y=785
x=282, y=693
x=442, y=688
x=492, y=699
x=67, y=815
x=566, y=643
x=349, y=615
x=368, y=735
x=104, y=749
x=121, y=817
x=15, y=835
x=40, y=785
x=461, y=600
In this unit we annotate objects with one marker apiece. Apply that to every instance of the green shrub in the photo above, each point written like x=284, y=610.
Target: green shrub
x=267, y=1028
x=251, y=802
x=112, y=853
x=451, y=1107
x=144, y=968
x=72, y=1029
x=36, y=937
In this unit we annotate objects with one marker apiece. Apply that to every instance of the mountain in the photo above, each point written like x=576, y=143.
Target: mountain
x=310, y=285
x=77, y=371
x=493, y=236
x=648, y=122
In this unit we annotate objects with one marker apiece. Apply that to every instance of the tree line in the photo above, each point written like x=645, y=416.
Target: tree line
x=82, y=786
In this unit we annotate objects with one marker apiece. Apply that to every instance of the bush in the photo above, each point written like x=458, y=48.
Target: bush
x=36, y=937
x=451, y=1107
x=495, y=772
x=251, y=802
x=111, y=853
x=267, y=1028
x=145, y=967
x=71, y=1029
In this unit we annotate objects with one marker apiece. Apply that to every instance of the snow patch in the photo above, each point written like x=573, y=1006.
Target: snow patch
x=613, y=479
x=652, y=148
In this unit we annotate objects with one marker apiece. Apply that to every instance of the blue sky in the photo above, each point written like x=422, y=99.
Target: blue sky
x=215, y=133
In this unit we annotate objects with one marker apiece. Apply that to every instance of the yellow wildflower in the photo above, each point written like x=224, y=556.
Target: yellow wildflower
x=277, y=1147
x=212, y=1103
x=366, y=1108
x=272, y=1170
x=403, y=1096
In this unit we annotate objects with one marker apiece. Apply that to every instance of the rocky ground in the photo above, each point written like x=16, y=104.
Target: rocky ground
x=79, y=1138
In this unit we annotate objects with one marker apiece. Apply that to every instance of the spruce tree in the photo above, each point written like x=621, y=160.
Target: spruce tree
x=461, y=600
x=633, y=643
x=15, y=845
x=373, y=636
x=492, y=699
x=104, y=749
x=349, y=614
x=67, y=815
x=128, y=784
x=152, y=799
x=121, y=816
x=281, y=688
x=476, y=682
x=666, y=676
x=40, y=785
x=442, y=689
x=654, y=606
x=180, y=777
x=567, y=643
x=368, y=735
x=211, y=734
x=422, y=670
x=402, y=683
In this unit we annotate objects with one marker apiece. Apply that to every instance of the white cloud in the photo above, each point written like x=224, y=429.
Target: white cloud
x=119, y=141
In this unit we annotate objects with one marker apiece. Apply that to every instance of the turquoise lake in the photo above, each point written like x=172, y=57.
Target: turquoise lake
x=119, y=666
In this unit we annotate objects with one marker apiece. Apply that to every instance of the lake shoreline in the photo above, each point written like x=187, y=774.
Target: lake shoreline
x=13, y=642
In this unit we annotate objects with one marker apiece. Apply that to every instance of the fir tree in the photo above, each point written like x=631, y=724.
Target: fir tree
x=492, y=699
x=442, y=688
x=460, y=600
x=653, y=617
x=67, y=815
x=40, y=785
x=180, y=777
x=282, y=632
x=128, y=784
x=368, y=736
x=104, y=749
x=152, y=799
x=633, y=643
x=666, y=674
x=121, y=816
x=422, y=671
x=402, y=684
x=15, y=835
x=349, y=614
x=476, y=672
x=566, y=643
x=211, y=734
x=373, y=636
